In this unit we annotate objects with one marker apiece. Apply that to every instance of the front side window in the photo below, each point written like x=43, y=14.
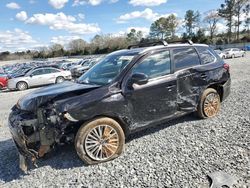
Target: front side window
x=206, y=55
x=185, y=58
x=38, y=72
x=154, y=66
x=107, y=70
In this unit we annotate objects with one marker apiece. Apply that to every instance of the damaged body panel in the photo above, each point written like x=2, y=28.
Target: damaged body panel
x=136, y=88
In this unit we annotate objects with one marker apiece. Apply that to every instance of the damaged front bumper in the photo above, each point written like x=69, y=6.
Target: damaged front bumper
x=21, y=141
x=36, y=133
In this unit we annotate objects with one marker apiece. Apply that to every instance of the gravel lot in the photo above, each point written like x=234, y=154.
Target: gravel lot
x=179, y=153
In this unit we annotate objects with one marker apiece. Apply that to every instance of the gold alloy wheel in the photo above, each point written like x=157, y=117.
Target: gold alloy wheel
x=212, y=105
x=101, y=142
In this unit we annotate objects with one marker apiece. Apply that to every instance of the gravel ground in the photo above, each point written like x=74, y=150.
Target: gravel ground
x=179, y=153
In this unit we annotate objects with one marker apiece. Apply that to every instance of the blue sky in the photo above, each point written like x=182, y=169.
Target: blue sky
x=33, y=23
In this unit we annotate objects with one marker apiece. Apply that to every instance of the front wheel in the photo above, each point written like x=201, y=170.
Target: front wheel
x=59, y=80
x=99, y=141
x=209, y=105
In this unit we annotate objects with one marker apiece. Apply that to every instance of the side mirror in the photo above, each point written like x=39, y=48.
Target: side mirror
x=138, y=78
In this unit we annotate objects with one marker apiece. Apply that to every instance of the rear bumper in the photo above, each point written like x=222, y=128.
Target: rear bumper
x=226, y=89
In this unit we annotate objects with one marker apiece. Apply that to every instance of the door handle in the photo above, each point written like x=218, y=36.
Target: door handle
x=203, y=76
x=170, y=87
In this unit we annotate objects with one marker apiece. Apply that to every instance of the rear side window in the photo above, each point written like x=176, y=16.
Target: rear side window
x=206, y=55
x=185, y=57
x=49, y=71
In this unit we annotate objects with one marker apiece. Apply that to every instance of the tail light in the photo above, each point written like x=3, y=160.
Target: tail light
x=226, y=66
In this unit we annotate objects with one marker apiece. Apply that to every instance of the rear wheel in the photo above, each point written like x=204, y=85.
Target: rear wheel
x=209, y=105
x=59, y=80
x=99, y=141
x=22, y=86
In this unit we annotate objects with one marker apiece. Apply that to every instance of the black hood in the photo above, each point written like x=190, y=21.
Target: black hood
x=33, y=100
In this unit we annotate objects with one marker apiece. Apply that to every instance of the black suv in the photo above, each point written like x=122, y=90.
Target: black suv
x=127, y=91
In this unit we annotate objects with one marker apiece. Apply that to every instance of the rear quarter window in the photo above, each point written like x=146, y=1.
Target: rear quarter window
x=207, y=55
x=185, y=58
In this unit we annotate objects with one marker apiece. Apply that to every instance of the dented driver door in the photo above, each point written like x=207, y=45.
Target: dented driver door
x=155, y=99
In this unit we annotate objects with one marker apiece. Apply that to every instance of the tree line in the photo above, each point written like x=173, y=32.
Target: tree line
x=206, y=28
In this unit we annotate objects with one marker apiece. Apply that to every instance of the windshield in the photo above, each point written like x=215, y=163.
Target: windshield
x=107, y=70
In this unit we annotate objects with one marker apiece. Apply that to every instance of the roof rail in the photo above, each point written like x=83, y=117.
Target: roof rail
x=147, y=44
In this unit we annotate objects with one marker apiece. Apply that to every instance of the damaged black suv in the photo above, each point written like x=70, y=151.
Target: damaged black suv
x=127, y=91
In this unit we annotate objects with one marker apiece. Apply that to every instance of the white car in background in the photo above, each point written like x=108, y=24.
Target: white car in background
x=234, y=52
x=37, y=77
x=221, y=54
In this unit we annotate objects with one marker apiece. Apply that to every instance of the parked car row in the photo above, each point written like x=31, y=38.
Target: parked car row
x=27, y=75
x=231, y=53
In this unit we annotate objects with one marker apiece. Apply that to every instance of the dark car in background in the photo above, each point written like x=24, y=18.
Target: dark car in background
x=127, y=91
x=84, y=66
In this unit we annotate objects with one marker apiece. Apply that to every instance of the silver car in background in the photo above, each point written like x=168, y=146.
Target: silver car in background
x=234, y=52
x=38, y=77
x=221, y=54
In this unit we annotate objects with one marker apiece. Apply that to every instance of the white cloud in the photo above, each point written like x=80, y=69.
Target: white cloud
x=148, y=3
x=81, y=16
x=58, y=4
x=91, y=2
x=16, y=40
x=60, y=21
x=63, y=40
x=32, y=1
x=22, y=16
x=221, y=27
x=13, y=5
x=83, y=2
x=147, y=14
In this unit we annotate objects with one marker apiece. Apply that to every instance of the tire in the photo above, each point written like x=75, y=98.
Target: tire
x=21, y=86
x=86, y=146
x=233, y=56
x=59, y=80
x=1, y=87
x=209, y=105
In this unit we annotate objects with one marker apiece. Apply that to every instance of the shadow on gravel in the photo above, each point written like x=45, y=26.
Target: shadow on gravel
x=156, y=128
x=9, y=161
x=61, y=158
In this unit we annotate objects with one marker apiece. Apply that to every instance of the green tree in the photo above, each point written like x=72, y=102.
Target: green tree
x=239, y=10
x=164, y=27
x=211, y=19
x=227, y=11
x=192, y=20
x=134, y=36
x=77, y=46
x=246, y=11
x=57, y=50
